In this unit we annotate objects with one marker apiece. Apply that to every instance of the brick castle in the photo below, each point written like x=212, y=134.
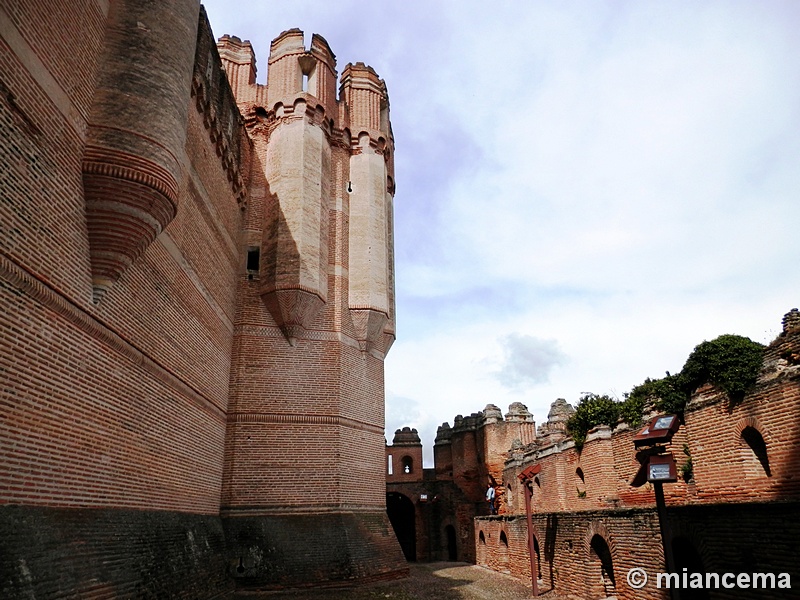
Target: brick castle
x=196, y=299
x=736, y=509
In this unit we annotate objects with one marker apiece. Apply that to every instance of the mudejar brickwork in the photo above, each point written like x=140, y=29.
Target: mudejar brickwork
x=196, y=299
x=735, y=509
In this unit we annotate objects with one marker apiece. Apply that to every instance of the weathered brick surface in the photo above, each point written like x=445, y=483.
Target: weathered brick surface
x=738, y=514
x=323, y=549
x=172, y=406
x=732, y=538
x=467, y=457
x=110, y=553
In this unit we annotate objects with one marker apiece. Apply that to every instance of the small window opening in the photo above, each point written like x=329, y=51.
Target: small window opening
x=503, y=539
x=579, y=473
x=390, y=467
x=253, y=259
x=408, y=464
x=305, y=82
x=755, y=440
x=482, y=538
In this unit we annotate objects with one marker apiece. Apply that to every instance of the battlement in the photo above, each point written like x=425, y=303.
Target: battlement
x=728, y=451
x=296, y=72
x=239, y=59
x=406, y=437
x=367, y=99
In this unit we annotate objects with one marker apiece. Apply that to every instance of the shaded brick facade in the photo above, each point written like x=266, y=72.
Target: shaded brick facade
x=432, y=510
x=186, y=408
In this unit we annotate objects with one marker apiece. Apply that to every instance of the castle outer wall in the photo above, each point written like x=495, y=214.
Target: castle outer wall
x=736, y=511
x=170, y=425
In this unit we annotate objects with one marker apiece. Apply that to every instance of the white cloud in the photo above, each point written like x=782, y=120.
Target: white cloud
x=527, y=360
x=620, y=177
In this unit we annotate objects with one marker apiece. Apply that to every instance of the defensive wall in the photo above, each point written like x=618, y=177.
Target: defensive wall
x=196, y=299
x=736, y=511
x=432, y=510
x=735, y=508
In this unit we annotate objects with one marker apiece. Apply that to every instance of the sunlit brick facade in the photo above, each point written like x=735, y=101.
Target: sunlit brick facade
x=196, y=300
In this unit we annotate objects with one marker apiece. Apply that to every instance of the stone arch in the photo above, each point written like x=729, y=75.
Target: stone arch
x=598, y=528
x=754, y=441
x=689, y=559
x=452, y=542
x=580, y=482
x=690, y=551
x=502, y=552
x=407, y=464
x=599, y=550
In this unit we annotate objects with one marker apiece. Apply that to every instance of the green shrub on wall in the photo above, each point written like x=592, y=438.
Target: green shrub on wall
x=592, y=410
x=730, y=362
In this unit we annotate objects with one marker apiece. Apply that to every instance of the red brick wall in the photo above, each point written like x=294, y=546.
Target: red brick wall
x=763, y=539
x=113, y=415
x=736, y=515
x=129, y=396
x=725, y=467
x=125, y=405
x=43, y=118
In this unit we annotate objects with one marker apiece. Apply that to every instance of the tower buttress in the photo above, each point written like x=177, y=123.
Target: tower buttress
x=309, y=415
x=371, y=188
x=130, y=180
x=239, y=61
x=294, y=269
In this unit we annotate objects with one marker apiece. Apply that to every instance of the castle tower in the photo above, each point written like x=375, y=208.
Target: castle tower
x=303, y=497
x=371, y=189
x=404, y=456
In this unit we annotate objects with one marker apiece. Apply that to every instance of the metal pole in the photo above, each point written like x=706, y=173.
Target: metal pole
x=531, y=550
x=666, y=540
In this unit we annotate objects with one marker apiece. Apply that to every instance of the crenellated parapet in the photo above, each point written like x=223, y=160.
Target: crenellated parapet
x=367, y=100
x=215, y=100
x=555, y=428
x=329, y=168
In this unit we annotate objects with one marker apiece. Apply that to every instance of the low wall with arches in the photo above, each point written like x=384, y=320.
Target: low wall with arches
x=589, y=554
x=735, y=509
x=578, y=554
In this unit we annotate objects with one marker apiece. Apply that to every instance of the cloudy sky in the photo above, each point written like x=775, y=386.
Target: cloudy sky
x=586, y=190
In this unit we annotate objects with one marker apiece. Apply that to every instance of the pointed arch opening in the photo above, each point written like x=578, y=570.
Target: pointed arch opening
x=600, y=555
x=755, y=442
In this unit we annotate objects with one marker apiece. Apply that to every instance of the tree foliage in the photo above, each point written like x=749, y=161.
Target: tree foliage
x=730, y=362
x=592, y=410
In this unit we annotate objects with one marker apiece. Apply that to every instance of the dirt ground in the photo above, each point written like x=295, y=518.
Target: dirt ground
x=428, y=581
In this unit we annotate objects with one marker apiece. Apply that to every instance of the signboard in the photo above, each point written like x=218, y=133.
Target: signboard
x=661, y=468
x=658, y=431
